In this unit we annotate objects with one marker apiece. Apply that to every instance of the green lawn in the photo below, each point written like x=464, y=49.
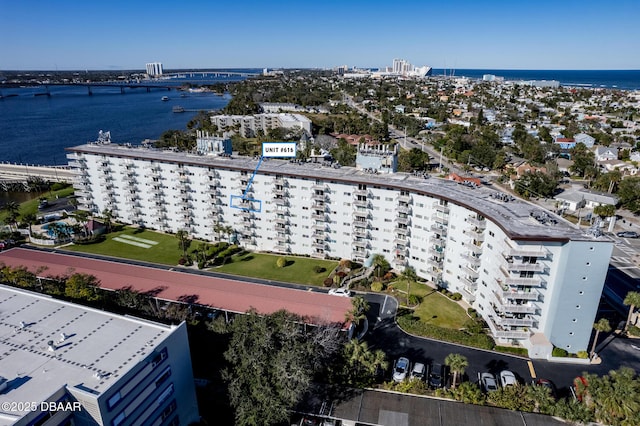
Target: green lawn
x=435, y=308
x=259, y=265
x=166, y=250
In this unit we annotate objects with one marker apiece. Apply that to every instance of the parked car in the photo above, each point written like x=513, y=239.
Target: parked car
x=488, y=382
x=507, y=378
x=437, y=376
x=547, y=384
x=418, y=371
x=400, y=369
x=344, y=292
x=628, y=234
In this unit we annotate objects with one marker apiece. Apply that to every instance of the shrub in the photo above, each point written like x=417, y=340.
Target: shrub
x=583, y=354
x=512, y=350
x=472, y=313
x=281, y=262
x=388, y=276
x=345, y=264
x=319, y=269
x=559, y=352
x=328, y=282
x=414, y=299
x=377, y=286
x=633, y=331
x=415, y=326
x=182, y=261
x=456, y=296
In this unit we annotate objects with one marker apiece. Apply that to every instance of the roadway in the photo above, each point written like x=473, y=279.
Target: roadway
x=22, y=172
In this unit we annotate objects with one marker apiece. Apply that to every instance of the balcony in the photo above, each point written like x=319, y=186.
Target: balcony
x=477, y=222
x=519, y=295
x=362, y=193
x=320, y=217
x=404, y=210
x=319, y=196
x=361, y=243
x=404, y=198
x=436, y=252
x=282, y=220
x=362, y=204
x=475, y=235
x=440, y=229
x=513, y=249
x=400, y=240
x=441, y=208
x=435, y=263
x=504, y=307
x=246, y=214
x=524, y=281
x=513, y=322
x=282, y=247
x=359, y=255
x=319, y=244
x=471, y=272
x=527, y=267
x=282, y=192
x=283, y=238
x=402, y=230
x=320, y=227
x=473, y=260
x=475, y=249
x=403, y=221
x=441, y=219
x=283, y=202
x=361, y=233
x=468, y=295
x=400, y=261
x=212, y=174
x=498, y=332
x=469, y=283
x=319, y=187
x=364, y=215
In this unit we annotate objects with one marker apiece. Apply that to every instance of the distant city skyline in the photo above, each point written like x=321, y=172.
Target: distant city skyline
x=495, y=34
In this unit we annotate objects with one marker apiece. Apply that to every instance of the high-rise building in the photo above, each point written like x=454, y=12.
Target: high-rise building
x=535, y=278
x=64, y=363
x=154, y=69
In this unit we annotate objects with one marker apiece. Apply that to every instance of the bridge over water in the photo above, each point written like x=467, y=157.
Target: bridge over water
x=21, y=173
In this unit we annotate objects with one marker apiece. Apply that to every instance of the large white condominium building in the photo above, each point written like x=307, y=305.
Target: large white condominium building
x=154, y=69
x=247, y=126
x=66, y=364
x=535, y=278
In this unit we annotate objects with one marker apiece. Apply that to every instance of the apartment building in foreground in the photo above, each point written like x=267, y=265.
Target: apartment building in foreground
x=66, y=364
x=535, y=278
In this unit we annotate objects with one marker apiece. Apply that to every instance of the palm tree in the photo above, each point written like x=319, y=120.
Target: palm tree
x=31, y=220
x=410, y=276
x=107, y=214
x=457, y=363
x=218, y=228
x=13, y=212
x=183, y=238
x=358, y=310
x=361, y=363
x=380, y=264
x=602, y=325
x=632, y=299
x=540, y=397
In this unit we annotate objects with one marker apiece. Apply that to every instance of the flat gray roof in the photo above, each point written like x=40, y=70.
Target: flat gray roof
x=99, y=347
x=514, y=217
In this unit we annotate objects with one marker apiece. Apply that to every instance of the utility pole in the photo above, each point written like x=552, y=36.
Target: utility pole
x=440, y=167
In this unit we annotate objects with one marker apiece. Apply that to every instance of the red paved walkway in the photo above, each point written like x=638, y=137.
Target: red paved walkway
x=220, y=293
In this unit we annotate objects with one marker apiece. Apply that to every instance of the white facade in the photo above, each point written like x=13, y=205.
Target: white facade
x=154, y=69
x=508, y=265
x=248, y=125
x=105, y=369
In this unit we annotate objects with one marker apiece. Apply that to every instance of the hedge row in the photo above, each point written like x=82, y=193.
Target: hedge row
x=413, y=325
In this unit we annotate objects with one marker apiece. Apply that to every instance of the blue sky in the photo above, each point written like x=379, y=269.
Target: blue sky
x=500, y=34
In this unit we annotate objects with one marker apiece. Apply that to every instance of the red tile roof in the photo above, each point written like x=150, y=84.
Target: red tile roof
x=220, y=293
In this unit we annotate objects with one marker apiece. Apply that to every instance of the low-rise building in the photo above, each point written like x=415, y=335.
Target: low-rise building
x=64, y=363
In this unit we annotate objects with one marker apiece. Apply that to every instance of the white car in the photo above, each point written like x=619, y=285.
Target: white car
x=344, y=292
x=418, y=371
x=488, y=382
x=400, y=369
x=507, y=378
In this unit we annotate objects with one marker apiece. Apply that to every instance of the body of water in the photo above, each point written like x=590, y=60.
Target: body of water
x=611, y=79
x=35, y=129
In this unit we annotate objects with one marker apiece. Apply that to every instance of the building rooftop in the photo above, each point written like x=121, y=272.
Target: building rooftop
x=90, y=348
x=220, y=293
x=515, y=216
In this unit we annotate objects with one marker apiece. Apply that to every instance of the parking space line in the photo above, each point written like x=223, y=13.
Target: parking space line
x=531, y=369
